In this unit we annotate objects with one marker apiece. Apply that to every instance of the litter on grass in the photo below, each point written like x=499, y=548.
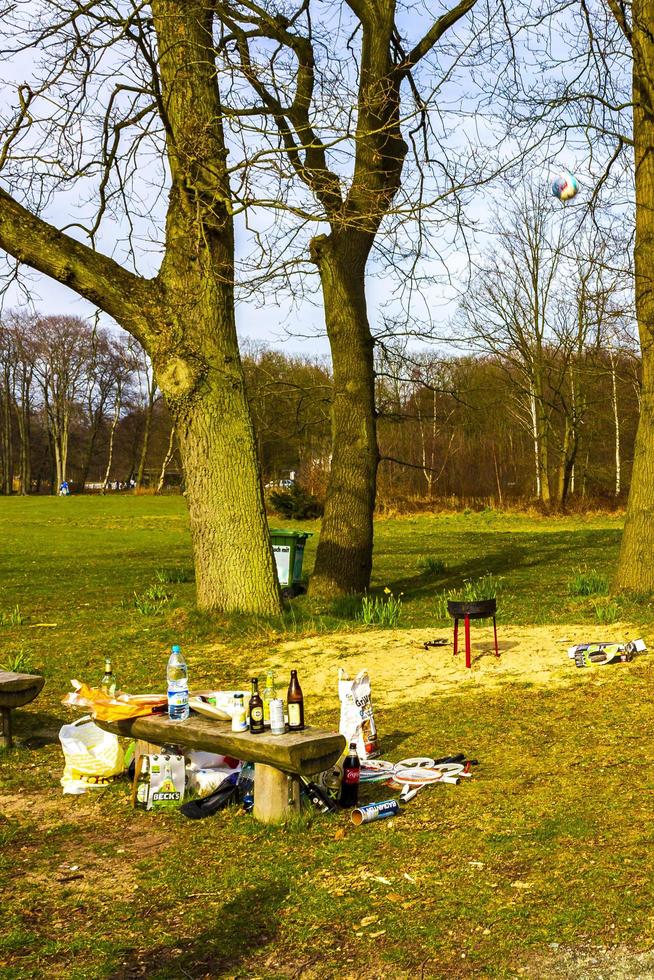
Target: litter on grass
x=599, y=654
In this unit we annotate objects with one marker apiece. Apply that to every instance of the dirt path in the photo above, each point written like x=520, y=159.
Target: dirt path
x=398, y=662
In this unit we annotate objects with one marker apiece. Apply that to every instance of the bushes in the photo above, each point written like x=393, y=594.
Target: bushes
x=295, y=504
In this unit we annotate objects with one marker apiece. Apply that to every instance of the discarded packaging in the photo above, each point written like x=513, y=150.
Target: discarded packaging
x=159, y=781
x=93, y=757
x=599, y=654
x=106, y=708
x=357, y=718
x=375, y=811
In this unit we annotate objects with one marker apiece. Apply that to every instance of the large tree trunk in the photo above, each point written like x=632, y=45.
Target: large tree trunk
x=344, y=555
x=234, y=567
x=194, y=350
x=635, y=569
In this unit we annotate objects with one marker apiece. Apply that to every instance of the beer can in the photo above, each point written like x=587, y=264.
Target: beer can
x=277, y=723
x=375, y=811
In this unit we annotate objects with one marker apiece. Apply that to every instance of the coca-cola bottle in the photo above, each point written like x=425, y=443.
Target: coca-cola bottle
x=349, y=795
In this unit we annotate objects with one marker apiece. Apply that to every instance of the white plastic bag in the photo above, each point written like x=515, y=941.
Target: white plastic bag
x=93, y=758
x=357, y=719
x=206, y=771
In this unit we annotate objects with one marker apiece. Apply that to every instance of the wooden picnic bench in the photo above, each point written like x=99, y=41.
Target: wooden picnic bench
x=15, y=691
x=279, y=760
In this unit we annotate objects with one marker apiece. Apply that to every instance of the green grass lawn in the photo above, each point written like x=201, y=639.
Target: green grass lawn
x=544, y=857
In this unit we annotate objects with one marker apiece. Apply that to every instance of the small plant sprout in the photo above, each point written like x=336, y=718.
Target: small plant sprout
x=433, y=566
x=12, y=618
x=588, y=582
x=152, y=601
x=18, y=661
x=381, y=610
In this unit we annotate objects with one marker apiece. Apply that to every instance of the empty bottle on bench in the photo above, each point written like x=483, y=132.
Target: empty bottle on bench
x=255, y=709
x=108, y=683
x=295, y=704
x=177, y=674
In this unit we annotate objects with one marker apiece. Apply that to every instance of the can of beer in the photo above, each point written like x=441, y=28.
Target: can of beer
x=277, y=723
x=375, y=811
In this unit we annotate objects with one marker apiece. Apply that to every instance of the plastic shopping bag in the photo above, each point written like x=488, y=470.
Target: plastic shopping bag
x=206, y=771
x=357, y=719
x=121, y=706
x=93, y=758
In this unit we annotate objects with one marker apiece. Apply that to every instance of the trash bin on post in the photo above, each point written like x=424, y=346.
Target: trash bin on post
x=288, y=549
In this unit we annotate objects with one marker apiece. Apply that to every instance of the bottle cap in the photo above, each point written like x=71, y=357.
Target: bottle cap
x=176, y=648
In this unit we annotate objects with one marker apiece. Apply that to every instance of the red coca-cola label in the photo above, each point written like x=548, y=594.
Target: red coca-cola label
x=351, y=776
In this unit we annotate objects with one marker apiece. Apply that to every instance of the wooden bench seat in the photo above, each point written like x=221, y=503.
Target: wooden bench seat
x=16, y=690
x=278, y=760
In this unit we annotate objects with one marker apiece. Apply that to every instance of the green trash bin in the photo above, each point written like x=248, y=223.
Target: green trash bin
x=288, y=549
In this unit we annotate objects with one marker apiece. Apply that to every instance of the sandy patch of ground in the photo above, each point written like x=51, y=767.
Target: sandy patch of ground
x=398, y=662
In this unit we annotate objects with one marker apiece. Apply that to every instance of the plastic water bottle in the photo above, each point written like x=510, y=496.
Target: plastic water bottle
x=246, y=786
x=177, y=674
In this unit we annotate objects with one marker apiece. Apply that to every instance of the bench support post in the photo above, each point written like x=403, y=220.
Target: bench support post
x=276, y=794
x=5, y=728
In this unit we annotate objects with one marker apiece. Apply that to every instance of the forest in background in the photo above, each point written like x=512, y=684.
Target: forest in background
x=80, y=403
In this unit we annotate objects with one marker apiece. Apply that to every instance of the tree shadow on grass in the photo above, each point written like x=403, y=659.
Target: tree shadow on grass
x=34, y=729
x=503, y=554
x=391, y=741
x=498, y=563
x=246, y=924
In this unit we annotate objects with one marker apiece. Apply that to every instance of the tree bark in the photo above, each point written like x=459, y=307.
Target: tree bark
x=635, y=570
x=344, y=555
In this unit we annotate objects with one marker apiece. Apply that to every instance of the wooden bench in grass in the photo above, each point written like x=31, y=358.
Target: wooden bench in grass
x=279, y=760
x=15, y=691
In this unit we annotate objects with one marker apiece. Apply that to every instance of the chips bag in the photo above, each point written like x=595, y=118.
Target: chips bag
x=357, y=718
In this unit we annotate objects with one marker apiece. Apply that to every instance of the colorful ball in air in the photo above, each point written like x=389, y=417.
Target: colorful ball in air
x=565, y=186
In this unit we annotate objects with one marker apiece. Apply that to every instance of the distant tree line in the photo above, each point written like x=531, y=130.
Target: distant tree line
x=79, y=403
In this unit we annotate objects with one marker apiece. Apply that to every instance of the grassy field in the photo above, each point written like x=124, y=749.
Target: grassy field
x=539, y=866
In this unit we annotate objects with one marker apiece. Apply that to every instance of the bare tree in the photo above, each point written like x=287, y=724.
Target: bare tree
x=63, y=351
x=124, y=98
x=342, y=107
x=23, y=394
x=508, y=311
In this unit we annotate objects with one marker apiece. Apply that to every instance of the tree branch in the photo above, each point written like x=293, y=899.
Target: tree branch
x=434, y=34
x=95, y=276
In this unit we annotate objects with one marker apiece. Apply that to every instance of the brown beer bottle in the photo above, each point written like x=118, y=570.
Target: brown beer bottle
x=255, y=709
x=295, y=703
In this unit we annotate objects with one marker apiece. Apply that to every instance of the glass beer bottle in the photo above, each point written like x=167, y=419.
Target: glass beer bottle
x=255, y=709
x=295, y=704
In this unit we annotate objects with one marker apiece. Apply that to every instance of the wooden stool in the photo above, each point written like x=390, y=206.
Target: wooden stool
x=482, y=609
x=15, y=691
